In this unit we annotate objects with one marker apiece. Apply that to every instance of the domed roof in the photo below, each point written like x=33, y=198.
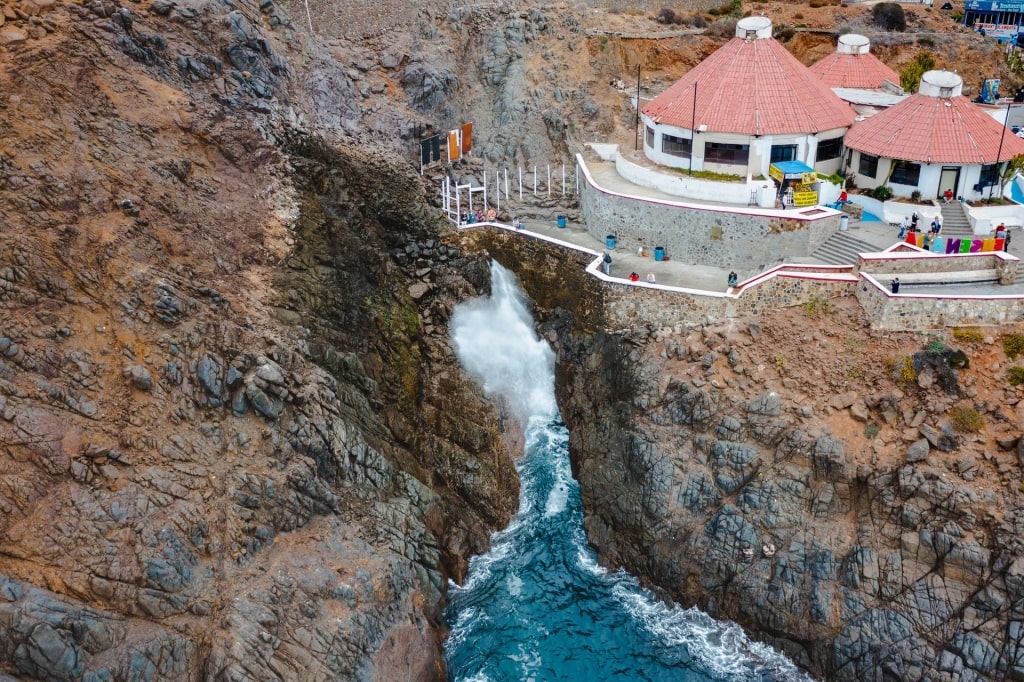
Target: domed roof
x=753, y=86
x=853, y=66
x=937, y=125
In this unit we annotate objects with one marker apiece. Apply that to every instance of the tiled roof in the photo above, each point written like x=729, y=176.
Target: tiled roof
x=751, y=87
x=930, y=129
x=853, y=71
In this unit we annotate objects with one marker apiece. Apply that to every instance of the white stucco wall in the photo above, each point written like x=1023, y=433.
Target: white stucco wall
x=984, y=219
x=928, y=184
x=680, y=184
x=760, y=149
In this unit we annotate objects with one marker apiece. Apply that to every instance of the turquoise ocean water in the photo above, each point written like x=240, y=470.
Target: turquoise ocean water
x=538, y=606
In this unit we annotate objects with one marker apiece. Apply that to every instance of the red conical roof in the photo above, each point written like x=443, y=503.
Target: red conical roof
x=853, y=66
x=751, y=86
x=933, y=128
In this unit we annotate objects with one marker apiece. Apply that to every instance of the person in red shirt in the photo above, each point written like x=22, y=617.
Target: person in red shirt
x=633, y=277
x=947, y=196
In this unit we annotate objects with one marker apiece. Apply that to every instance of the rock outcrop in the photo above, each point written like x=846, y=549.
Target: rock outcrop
x=235, y=442
x=730, y=468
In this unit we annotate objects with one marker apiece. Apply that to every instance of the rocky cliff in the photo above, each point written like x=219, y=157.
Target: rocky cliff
x=855, y=500
x=235, y=443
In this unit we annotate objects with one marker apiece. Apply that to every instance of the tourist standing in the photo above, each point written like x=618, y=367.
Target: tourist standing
x=733, y=278
x=895, y=285
x=606, y=263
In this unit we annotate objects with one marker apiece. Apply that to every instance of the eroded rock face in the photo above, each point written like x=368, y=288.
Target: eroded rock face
x=762, y=496
x=235, y=445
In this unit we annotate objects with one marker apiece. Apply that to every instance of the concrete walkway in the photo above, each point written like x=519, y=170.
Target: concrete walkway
x=670, y=273
x=666, y=272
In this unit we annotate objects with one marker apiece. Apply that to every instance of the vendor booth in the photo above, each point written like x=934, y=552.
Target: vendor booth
x=797, y=181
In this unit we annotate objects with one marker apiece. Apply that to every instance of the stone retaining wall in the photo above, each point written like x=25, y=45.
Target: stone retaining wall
x=910, y=312
x=910, y=261
x=625, y=305
x=740, y=240
x=629, y=306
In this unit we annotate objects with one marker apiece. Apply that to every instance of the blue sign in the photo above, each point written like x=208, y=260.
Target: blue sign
x=990, y=6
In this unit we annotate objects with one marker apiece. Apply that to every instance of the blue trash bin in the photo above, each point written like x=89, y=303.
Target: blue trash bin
x=561, y=221
x=610, y=240
x=659, y=253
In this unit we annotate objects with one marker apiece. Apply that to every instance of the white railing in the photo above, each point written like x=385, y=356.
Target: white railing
x=504, y=186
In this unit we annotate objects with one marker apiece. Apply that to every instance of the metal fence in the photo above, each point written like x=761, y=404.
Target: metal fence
x=503, y=186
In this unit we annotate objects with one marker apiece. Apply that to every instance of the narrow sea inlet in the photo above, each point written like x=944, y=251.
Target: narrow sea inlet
x=538, y=606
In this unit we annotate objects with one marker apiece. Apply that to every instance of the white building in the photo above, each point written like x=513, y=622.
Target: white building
x=746, y=106
x=932, y=141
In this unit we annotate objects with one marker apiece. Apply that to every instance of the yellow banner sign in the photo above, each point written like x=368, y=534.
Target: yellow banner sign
x=805, y=198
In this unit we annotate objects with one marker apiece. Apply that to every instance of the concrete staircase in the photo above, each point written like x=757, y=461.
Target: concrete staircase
x=954, y=221
x=842, y=249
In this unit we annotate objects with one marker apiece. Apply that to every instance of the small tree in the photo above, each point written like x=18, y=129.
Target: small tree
x=1013, y=166
x=910, y=77
x=889, y=16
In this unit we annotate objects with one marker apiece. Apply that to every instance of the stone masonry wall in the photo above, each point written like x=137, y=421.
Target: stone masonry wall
x=913, y=262
x=741, y=241
x=916, y=312
x=628, y=306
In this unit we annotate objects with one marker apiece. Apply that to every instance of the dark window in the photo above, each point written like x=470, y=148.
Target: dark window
x=719, y=152
x=783, y=152
x=830, y=149
x=989, y=175
x=868, y=165
x=649, y=136
x=676, y=146
x=905, y=173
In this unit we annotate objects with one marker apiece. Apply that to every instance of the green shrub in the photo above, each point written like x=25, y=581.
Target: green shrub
x=902, y=368
x=910, y=76
x=871, y=430
x=724, y=27
x=817, y=305
x=968, y=334
x=966, y=419
x=1013, y=345
x=710, y=175
x=935, y=346
x=915, y=195
x=882, y=193
x=783, y=33
x=889, y=16
x=1015, y=375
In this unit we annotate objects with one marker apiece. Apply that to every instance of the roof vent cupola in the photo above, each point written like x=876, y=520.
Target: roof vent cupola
x=754, y=28
x=852, y=43
x=942, y=84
